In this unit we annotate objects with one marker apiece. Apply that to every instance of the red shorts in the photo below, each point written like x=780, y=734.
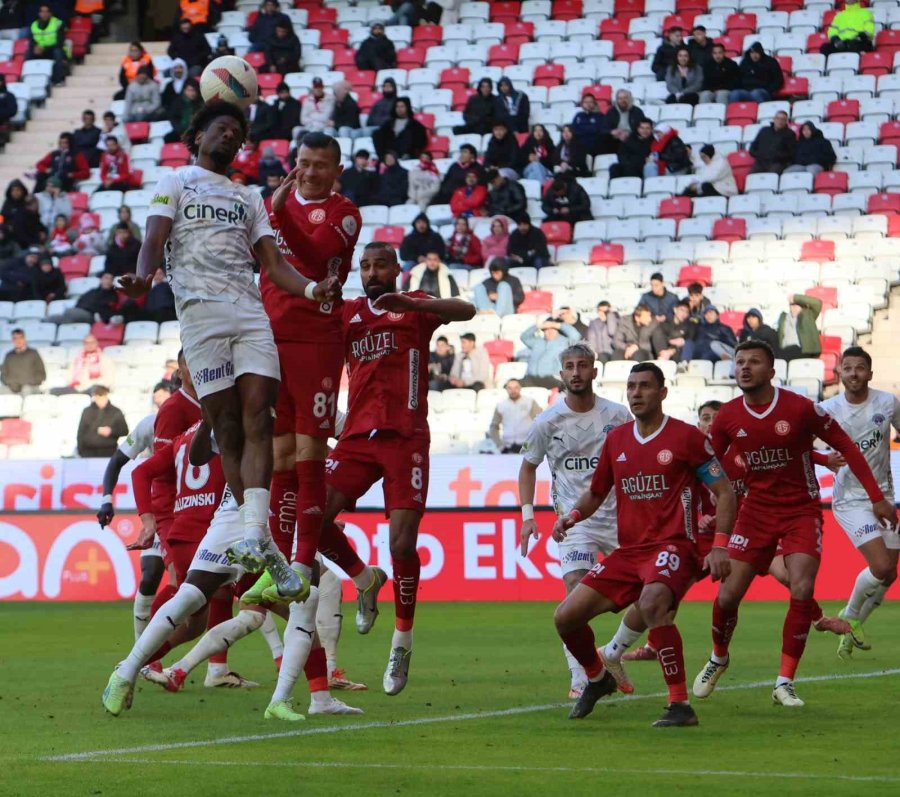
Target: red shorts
x=179, y=554
x=758, y=539
x=310, y=381
x=623, y=574
x=359, y=461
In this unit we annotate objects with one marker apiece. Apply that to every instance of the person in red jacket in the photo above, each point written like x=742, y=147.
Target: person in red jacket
x=115, y=168
x=470, y=199
x=463, y=247
x=63, y=162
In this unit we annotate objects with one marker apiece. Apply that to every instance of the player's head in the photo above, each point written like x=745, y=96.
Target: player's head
x=218, y=131
x=379, y=269
x=513, y=389
x=161, y=392
x=319, y=164
x=856, y=369
x=577, y=368
x=184, y=375
x=646, y=390
x=754, y=365
x=706, y=414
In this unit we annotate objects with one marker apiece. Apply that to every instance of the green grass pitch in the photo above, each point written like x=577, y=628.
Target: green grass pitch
x=470, y=659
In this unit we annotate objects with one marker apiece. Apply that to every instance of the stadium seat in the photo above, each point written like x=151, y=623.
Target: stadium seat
x=536, y=302
x=827, y=295
x=818, y=251
x=557, y=232
x=730, y=229
x=887, y=204
x=389, y=235
x=108, y=334
x=693, y=273
x=609, y=254
x=675, y=208
x=75, y=266
x=831, y=183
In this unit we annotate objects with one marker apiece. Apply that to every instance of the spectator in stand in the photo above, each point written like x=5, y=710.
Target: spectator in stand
x=675, y=338
x=204, y=14
x=409, y=12
x=463, y=246
x=317, y=109
x=263, y=119
x=17, y=276
x=635, y=336
x=8, y=246
x=505, y=197
x=619, y=123
x=813, y=152
x=700, y=46
x=634, y=154
x=440, y=361
x=666, y=52
x=89, y=240
x=14, y=203
x=714, y=340
x=433, y=277
x=47, y=42
x=98, y=304
x=482, y=110
x=659, y=299
x=283, y=51
x=247, y=161
x=712, y=175
x=345, y=119
x=496, y=244
x=143, y=101
x=472, y=368
x=377, y=52
x=456, y=175
x=566, y=200
x=528, y=244
x=359, y=183
x=52, y=202
x=421, y=240
x=601, y=332
x=513, y=415
x=60, y=240
x=286, y=114
x=122, y=254
x=175, y=86
x=12, y=17
x=500, y=293
x=380, y=112
x=753, y=328
x=9, y=107
x=263, y=29
x=545, y=343
x=403, y=134
x=470, y=200
x=190, y=46
x=684, y=79
x=668, y=153
x=101, y=426
x=573, y=319
x=270, y=187
x=697, y=302
x=393, y=182
x=162, y=392
x=270, y=164
x=136, y=58
x=424, y=182
x=588, y=125
x=112, y=127
x=64, y=163
x=158, y=305
x=851, y=31
x=536, y=155
x=721, y=76
x=515, y=107
x=22, y=371
x=27, y=227
x=222, y=47
x=90, y=367
x=774, y=145
x=115, y=168
x=183, y=109
x=761, y=77
x=85, y=139
x=798, y=335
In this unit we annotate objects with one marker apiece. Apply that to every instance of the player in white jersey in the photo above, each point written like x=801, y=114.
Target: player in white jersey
x=570, y=435
x=866, y=415
x=214, y=231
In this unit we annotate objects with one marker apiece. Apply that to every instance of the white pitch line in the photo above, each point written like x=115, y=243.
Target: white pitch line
x=362, y=726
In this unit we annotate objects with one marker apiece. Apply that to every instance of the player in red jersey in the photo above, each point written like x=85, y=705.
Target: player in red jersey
x=316, y=230
x=773, y=431
x=656, y=464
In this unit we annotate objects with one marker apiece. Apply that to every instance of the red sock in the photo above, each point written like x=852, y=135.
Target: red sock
x=583, y=647
x=406, y=588
x=653, y=640
x=316, y=670
x=283, y=509
x=220, y=610
x=817, y=613
x=164, y=595
x=723, y=625
x=793, y=635
x=310, y=505
x=335, y=546
x=670, y=653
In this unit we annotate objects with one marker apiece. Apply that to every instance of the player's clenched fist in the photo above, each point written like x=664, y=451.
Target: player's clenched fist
x=564, y=523
x=718, y=563
x=105, y=515
x=328, y=290
x=145, y=535
x=135, y=286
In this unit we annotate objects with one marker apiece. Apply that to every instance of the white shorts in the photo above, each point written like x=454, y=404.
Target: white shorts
x=226, y=529
x=578, y=551
x=861, y=526
x=153, y=550
x=223, y=340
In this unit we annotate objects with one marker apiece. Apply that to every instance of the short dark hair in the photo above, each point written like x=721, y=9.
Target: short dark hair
x=282, y=87
x=90, y=111
x=109, y=115
x=685, y=304
x=523, y=218
x=719, y=45
x=66, y=136
x=469, y=148
x=383, y=245
x=656, y=275
x=99, y=390
x=123, y=225
x=708, y=149
x=604, y=303
x=699, y=27
x=712, y=404
x=852, y=351
x=695, y=288
x=362, y=153
x=468, y=336
x=201, y=120
x=322, y=141
x=442, y=338
x=17, y=331
x=162, y=386
x=761, y=345
x=641, y=308
x=651, y=368
x=112, y=138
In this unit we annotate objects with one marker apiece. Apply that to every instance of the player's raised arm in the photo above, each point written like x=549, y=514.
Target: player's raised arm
x=154, y=467
x=446, y=309
x=151, y=257
x=289, y=279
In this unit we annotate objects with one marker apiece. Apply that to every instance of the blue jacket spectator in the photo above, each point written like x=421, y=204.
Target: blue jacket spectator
x=263, y=29
x=715, y=341
x=588, y=123
x=659, y=299
x=544, y=350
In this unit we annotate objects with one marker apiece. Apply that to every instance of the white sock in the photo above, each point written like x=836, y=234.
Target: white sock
x=872, y=602
x=574, y=667
x=865, y=587
x=171, y=614
x=781, y=680
x=623, y=639
x=255, y=513
x=298, y=639
x=322, y=698
x=142, y=604
x=216, y=669
x=720, y=659
x=270, y=633
x=402, y=639
x=328, y=616
x=364, y=578
x=219, y=638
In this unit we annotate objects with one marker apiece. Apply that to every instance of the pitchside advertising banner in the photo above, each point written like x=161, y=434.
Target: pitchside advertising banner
x=52, y=548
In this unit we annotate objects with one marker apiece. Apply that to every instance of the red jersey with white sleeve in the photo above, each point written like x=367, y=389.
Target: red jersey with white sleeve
x=387, y=361
x=317, y=238
x=177, y=414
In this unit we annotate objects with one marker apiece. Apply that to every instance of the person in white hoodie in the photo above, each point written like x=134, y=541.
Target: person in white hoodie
x=712, y=175
x=317, y=110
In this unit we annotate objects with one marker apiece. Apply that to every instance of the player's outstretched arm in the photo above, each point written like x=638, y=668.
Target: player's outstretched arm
x=150, y=258
x=289, y=279
x=527, y=481
x=586, y=506
x=446, y=309
x=110, y=478
x=162, y=463
x=726, y=510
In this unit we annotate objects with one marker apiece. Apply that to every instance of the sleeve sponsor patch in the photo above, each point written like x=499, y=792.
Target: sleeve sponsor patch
x=348, y=223
x=159, y=199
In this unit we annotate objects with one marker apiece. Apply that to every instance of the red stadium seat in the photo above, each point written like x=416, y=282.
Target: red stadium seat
x=455, y=76
x=741, y=162
x=817, y=251
x=322, y=18
x=889, y=133
x=549, y=75
x=608, y=255
x=15, y=431
x=174, y=154
x=411, y=57
x=499, y=350
x=603, y=95
x=842, y=111
x=629, y=50
x=831, y=343
x=365, y=98
x=831, y=183
x=389, y=235
x=281, y=148
x=676, y=207
x=729, y=229
x=75, y=266
x=439, y=146
x=566, y=9
x=108, y=334
x=20, y=48
x=628, y=9
x=794, y=87
x=334, y=38
x=887, y=41
x=733, y=44
x=733, y=319
x=740, y=23
x=344, y=60
x=78, y=200
x=518, y=32
x=876, y=63
x=360, y=78
x=80, y=24
x=787, y=5
x=884, y=204
x=700, y=6
x=461, y=95
x=557, y=232
x=81, y=40
x=683, y=21
x=830, y=360
x=503, y=55
x=256, y=60
x=268, y=81
x=614, y=30
x=426, y=120
x=11, y=70
x=537, y=302
x=138, y=132
x=827, y=294
x=893, y=227
x=504, y=11
x=694, y=273
x=741, y=113
x=815, y=41
x=427, y=35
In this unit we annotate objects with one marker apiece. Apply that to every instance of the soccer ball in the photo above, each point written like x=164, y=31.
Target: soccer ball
x=230, y=79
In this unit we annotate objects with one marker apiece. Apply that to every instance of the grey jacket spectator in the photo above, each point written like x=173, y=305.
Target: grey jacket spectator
x=682, y=86
x=53, y=202
x=471, y=365
x=23, y=369
x=380, y=112
x=101, y=426
x=601, y=332
x=433, y=277
x=635, y=335
x=143, y=100
x=377, y=52
x=544, y=349
x=774, y=145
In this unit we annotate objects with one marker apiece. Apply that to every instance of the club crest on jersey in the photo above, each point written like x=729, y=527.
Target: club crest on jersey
x=608, y=428
x=783, y=428
x=664, y=457
x=327, y=383
x=417, y=458
x=395, y=316
x=317, y=216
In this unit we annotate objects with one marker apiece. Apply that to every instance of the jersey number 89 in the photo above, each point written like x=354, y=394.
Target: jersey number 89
x=667, y=559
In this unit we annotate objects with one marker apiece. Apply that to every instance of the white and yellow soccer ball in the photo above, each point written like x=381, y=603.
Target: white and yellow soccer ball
x=229, y=79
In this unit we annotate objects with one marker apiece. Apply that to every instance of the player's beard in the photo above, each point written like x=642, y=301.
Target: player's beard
x=375, y=289
x=583, y=390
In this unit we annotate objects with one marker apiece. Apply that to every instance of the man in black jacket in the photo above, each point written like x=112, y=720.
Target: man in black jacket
x=527, y=244
x=9, y=107
x=283, y=51
x=377, y=52
x=634, y=152
x=159, y=305
x=700, y=46
x=505, y=197
x=122, y=254
x=481, y=110
x=98, y=304
x=101, y=426
x=665, y=53
x=761, y=77
x=421, y=240
x=674, y=339
x=287, y=113
x=263, y=29
x=721, y=76
x=619, y=122
x=359, y=183
x=191, y=46
x=17, y=276
x=566, y=200
x=85, y=139
x=22, y=371
x=263, y=119
x=456, y=174
x=773, y=147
